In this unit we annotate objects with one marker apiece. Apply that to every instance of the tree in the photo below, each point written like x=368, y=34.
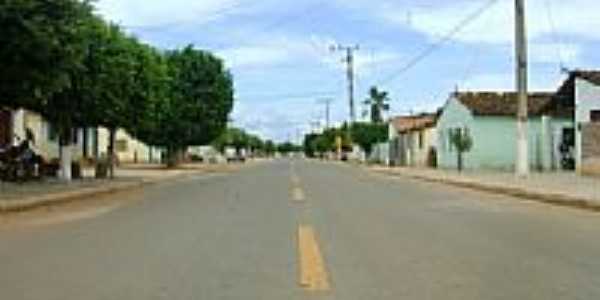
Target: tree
x=197, y=104
x=368, y=134
x=310, y=145
x=117, y=82
x=462, y=142
x=378, y=103
x=42, y=48
x=288, y=147
x=270, y=148
x=60, y=101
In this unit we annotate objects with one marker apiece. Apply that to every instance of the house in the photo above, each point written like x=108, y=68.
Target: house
x=580, y=92
x=413, y=140
x=15, y=123
x=89, y=143
x=489, y=118
x=127, y=148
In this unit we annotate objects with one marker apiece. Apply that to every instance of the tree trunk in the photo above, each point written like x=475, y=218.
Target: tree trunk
x=65, y=156
x=460, y=161
x=172, y=157
x=65, y=163
x=111, y=153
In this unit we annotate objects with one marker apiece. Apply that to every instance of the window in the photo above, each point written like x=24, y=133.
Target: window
x=52, y=132
x=595, y=116
x=121, y=145
x=450, y=145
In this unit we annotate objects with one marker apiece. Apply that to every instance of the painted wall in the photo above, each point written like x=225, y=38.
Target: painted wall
x=419, y=151
x=380, y=154
x=45, y=145
x=454, y=115
x=128, y=149
x=587, y=98
x=494, y=143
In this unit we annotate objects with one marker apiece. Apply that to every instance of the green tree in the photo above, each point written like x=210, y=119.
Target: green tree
x=197, y=105
x=310, y=146
x=368, y=134
x=112, y=63
x=462, y=142
x=288, y=147
x=378, y=103
x=270, y=148
x=42, y=49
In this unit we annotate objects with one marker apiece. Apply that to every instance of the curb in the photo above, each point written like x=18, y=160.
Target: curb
x=558, y=199
x=11, y=206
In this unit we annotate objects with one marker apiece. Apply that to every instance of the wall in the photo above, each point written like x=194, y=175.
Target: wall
x=494, y=144
x=380, y=154
x=454, y=115
x=587, y=98
x=419, y=153
x=127, y=148
x=590, y=149
x=45, y=145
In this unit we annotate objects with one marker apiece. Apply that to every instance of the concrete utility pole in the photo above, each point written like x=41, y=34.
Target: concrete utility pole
x=349, y=60
x=522, y=163
x=327, y=103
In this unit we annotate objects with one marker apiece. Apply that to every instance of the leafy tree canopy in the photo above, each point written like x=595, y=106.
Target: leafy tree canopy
x=43, y=46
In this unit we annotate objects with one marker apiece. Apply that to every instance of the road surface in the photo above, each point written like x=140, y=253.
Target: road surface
x=306, y=230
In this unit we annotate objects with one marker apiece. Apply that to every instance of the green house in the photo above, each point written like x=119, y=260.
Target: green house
x=490, y=119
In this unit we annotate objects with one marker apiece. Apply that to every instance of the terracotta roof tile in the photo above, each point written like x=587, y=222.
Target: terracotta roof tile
x=505, y=104
x=408, y=123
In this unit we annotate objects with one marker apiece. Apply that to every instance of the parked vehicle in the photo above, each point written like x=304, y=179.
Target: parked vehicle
x=20, y=163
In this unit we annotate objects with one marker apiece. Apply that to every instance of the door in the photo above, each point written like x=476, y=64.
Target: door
x=5, y=128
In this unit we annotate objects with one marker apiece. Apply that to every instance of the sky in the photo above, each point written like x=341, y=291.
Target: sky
x=279, y=51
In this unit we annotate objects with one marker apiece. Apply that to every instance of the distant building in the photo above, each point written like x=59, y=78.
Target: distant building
x=413, y=140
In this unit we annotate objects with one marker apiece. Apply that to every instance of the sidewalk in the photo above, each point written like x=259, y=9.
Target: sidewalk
x=18, y=197
x=560, y=188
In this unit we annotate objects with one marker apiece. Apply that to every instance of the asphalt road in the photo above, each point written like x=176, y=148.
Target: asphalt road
x=306, y=230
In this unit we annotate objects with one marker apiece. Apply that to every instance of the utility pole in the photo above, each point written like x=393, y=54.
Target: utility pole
x=349, y=61
x=327, y=103
x=522, y=163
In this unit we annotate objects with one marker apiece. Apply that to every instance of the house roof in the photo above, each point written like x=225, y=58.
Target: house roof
x=506, y=104
x=409, y=123
x=565, y=96
x=588, y=75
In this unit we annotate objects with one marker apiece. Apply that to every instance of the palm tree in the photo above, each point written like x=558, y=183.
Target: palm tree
x=378, y=103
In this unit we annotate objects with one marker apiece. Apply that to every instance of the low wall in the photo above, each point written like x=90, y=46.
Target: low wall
x=590, y=149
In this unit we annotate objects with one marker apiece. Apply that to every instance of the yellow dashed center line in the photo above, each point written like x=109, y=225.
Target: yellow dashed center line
x=295, y=180
x=313, y=276
x=298, y=194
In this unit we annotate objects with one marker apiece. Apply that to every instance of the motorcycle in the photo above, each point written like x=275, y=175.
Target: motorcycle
x=20, y=163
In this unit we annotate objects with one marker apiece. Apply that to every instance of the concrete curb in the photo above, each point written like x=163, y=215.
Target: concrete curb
x=553, y=198
x=65, y=197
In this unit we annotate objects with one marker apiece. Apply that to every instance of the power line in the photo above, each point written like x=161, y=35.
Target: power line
x=291, y=17
x=555, y=35
x=292, y=95
x=211, y=17
x=435, y=46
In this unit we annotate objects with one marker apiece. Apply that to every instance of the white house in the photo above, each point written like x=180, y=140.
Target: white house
x=13, y=126
x=581, y=92
x=413, y=140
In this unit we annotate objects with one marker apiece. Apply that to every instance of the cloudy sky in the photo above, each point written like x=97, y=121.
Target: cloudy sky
x=278, y=50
